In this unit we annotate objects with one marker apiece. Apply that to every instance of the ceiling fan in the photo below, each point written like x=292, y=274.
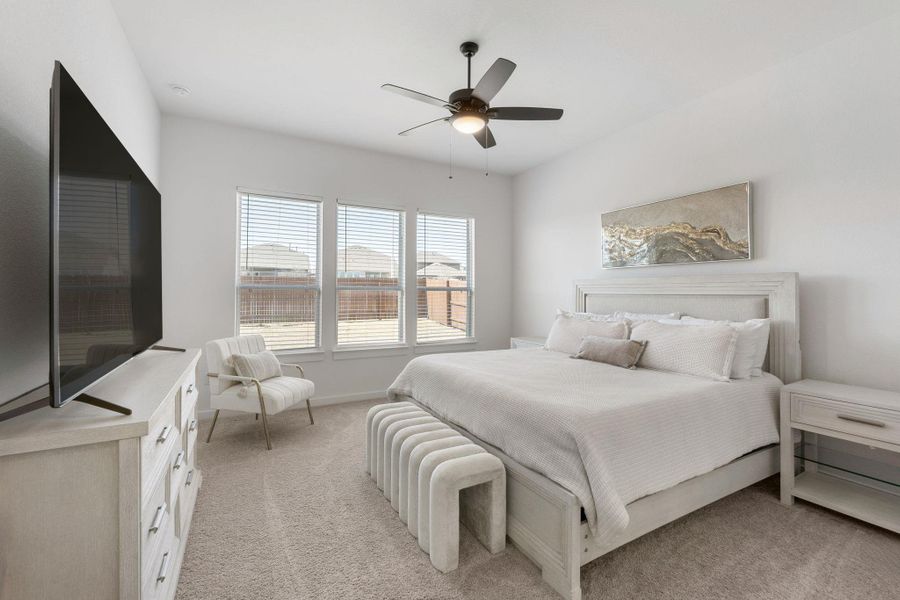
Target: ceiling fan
x=470, y=108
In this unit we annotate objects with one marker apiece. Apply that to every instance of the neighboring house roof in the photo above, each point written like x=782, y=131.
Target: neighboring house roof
x=440, y=271
x=360, y=259
x=274, y=257
x=435, y=257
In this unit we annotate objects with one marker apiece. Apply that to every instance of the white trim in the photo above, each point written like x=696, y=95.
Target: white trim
x=302, y=354
x=436, y=347
x=206, y=414
x=355, y=351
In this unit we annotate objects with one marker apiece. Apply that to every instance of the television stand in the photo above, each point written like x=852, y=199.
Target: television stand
x=94, y=401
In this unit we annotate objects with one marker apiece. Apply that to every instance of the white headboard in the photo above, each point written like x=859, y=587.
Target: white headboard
x=729, y=297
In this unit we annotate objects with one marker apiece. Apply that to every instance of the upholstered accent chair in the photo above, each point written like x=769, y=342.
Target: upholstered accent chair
x=229, y=391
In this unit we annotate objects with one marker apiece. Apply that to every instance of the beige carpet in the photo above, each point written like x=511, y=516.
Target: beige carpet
x=305, y=521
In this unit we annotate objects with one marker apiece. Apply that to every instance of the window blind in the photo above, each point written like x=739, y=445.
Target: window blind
x=443, y=278
x=279, y=278
x=370, y=280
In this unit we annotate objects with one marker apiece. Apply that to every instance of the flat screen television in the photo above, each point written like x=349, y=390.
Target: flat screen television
x=105, y=253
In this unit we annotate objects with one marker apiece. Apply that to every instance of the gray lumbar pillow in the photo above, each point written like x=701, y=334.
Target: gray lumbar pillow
x=621, y=353
x=261, y=366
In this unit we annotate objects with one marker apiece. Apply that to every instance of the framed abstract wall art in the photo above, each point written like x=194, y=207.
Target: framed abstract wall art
x=704, y=227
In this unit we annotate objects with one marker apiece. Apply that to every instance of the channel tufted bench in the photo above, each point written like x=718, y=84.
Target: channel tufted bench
x=422, y=465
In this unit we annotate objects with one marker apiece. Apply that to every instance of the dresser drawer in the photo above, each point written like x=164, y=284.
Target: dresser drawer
x=157, y=444
x=190, y=439
x=864, y=421
x=178, y=468
x=159, y=571
x=186, y=501
x=156, y=519
x=189, y=395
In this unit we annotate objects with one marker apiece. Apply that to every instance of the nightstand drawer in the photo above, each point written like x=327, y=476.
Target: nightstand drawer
x=864, y=421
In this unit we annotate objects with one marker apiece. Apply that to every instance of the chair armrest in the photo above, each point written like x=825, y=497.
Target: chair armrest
x=302, y=374
x=244, y=380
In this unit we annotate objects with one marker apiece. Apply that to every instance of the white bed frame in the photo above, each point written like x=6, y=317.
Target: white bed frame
x=544, y=520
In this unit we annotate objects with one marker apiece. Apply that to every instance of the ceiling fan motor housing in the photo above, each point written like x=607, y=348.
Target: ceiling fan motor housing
x=466, y=101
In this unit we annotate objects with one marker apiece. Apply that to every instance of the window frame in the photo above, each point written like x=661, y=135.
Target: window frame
x=469, y=338
x=401, y=288
x=319, y=288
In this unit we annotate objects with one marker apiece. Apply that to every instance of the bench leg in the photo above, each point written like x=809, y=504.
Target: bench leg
x=443, y=528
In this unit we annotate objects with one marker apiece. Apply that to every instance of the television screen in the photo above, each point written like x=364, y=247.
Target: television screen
x=105, y=272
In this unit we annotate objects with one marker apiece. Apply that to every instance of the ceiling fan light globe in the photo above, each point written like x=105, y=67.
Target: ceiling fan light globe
x=468, y=123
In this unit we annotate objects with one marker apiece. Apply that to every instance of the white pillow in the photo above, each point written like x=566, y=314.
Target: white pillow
x=631, y=316
x=570, y=328
x=752, y=344
x=702, y=351
x=261, y=365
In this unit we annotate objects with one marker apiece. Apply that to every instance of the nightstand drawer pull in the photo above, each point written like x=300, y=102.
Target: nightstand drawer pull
x=157, y=520
x=164, y=434
x=862, y=420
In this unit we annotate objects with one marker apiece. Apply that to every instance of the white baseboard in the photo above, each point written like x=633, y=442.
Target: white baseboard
x=207, y=413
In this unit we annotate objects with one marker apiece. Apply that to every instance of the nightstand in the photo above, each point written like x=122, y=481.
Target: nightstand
x=526, y=342
x=821, y=467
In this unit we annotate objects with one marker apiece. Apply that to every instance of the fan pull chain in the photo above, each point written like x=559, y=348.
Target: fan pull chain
x=451, y=153
x=486, y=168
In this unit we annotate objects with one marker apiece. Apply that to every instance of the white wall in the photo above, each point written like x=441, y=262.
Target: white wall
x=204, y=162
x=86, y=37
x=818, y=136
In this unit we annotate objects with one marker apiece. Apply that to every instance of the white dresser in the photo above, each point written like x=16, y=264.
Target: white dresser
x=97, y=505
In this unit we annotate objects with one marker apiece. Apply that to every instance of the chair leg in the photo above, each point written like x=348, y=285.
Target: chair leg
x=213, y=426
x=309, y=410
x=262, y=411
x=257, y=417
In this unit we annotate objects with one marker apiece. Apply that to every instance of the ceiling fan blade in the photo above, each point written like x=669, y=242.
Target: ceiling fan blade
x=525, y=113
x=414, y=95
x=485, y=137
x=412, y=129
x=494, y=79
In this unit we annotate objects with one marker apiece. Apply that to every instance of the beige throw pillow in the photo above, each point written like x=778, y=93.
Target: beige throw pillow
x=702, y=351
x=620, y=353
x=569, y=329
x=262, y=365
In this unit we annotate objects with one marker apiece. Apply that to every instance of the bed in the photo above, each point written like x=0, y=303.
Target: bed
x=589, y=471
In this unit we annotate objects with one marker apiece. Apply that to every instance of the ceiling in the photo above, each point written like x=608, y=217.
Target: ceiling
x=313, y=68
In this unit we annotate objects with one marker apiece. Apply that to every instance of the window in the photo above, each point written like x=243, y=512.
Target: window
x=279, y=275
x=369, y=276
x=443, y=278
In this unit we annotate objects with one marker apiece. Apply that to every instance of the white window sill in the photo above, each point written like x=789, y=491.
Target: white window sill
x=301, y=356
x=354, y=352
x=460, y=345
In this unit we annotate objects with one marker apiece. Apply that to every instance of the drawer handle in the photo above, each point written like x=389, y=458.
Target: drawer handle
x=157, y=519
x=164, y=434
x=193, y=425
x=163, y=567
x=190, y=478
x=179, y=460
x=190, y=388
x=862, y=420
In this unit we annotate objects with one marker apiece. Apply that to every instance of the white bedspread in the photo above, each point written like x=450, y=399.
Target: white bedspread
x=609, y=435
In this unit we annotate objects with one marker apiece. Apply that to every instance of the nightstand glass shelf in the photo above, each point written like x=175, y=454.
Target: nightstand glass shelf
x=860, y=468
